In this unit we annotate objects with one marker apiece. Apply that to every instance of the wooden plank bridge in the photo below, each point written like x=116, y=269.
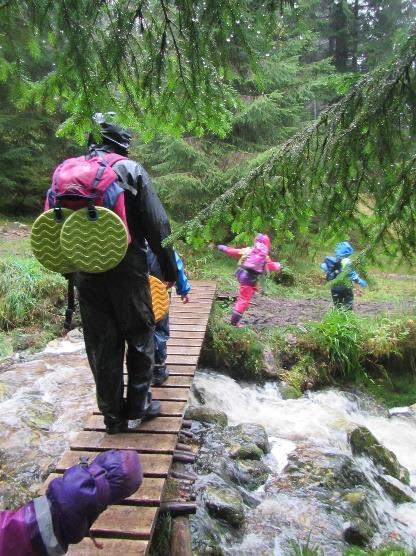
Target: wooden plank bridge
x=126, y=529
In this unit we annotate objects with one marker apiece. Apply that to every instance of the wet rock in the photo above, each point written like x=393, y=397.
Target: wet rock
x=75, y=335
x=253, y=433
x=290, y=392
x=397, y=491
x=39, y=417
x=206, y=415
x=224, y=503
x=245, y=451
x=400, y=412
x=22, y=342
x=363, y=442
x=200, y=393
x=356, y=499
x=270, y=368
x=250, y=473
x=357, y=532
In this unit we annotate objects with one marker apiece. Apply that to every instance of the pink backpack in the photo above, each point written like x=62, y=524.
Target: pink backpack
x=256, y=260
x=85, y=182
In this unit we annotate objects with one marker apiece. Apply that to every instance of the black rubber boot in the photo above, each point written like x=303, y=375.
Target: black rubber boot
x=160, y=375
x=150, y=411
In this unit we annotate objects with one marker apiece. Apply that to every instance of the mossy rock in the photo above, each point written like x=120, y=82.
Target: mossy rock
x=363, y=442
x=206, y=415
x=397, y=491
x=39, y=417
x=246, y=451
x=250, y=473
x=224, y=503
x=254, y=434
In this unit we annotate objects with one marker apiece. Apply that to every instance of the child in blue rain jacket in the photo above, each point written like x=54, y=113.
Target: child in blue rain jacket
x=161, y=336
x=341, y=272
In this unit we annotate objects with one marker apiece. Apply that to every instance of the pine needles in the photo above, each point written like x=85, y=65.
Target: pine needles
x=354, y=166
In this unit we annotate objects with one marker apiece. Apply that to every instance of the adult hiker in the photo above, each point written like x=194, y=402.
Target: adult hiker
x=340, y=271
x=64, y=514
x=253, y=263
x=162, y=331
x=115, y=305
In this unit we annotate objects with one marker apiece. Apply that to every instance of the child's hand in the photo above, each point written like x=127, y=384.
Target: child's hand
x=221, y=247
x=185, y=299
x=169, y=285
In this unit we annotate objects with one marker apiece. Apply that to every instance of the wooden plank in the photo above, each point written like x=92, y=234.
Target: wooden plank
x=170, y=394
x=187, y=328
x=182, y=369
x=168, y=408
x=131, y=522
x=185, y=334
x=110, y=547
x=153, y=465
x=185, y=342
x=182, y=359
x=184, y=350
x=175, y=381
x=99, y=441
x=149, y=493
x=182, y=310
x=190, y=321
x=157, y=425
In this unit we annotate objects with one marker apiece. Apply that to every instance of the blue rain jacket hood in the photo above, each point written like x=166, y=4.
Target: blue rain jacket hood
x=343, y=249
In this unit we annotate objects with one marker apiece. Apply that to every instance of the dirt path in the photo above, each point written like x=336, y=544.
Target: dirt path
x=283, y=311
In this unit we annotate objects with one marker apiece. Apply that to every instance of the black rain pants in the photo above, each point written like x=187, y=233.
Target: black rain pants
x=116, y=310
x=342, y=297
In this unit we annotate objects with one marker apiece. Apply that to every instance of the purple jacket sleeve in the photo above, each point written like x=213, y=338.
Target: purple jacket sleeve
x=64, y=515
x=29, y=530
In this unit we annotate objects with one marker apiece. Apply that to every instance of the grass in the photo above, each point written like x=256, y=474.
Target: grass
x=28, y=292
x=391, y=550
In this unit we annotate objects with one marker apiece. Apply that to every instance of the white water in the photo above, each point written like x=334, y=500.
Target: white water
x=42, y=402
x=317, y=421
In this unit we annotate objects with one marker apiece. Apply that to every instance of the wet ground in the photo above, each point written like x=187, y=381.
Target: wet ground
x=283, y=311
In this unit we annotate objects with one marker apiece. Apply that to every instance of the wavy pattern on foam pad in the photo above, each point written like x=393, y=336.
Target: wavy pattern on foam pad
x=45, y=241
x=94, y=245
x=160, y=297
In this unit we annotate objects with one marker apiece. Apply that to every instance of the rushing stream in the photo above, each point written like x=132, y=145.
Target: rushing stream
x=307, y=436
x=43, y=400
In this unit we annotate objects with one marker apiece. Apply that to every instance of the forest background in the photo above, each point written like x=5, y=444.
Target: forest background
x=320, y=54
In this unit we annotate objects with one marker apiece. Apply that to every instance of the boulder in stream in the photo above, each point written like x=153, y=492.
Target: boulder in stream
x=364, y=443
x=206, y=415
x=250, y=473
x=397, y=491
x=253, y=433
x=224, y=503
x=246, y=451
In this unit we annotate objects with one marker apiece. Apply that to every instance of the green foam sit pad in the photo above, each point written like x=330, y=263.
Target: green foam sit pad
x=45, y=241
x=94, y=245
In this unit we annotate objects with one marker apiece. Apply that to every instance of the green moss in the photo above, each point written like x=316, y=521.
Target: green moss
x=160, y=545
x=235, y=349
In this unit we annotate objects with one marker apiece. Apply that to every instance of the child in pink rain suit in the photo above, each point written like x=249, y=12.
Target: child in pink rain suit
x=254, y=261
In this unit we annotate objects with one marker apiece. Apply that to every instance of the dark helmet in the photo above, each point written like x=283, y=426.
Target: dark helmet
x=111, y=133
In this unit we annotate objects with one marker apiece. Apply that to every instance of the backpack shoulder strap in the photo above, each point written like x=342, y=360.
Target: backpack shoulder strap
x=112, y=158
